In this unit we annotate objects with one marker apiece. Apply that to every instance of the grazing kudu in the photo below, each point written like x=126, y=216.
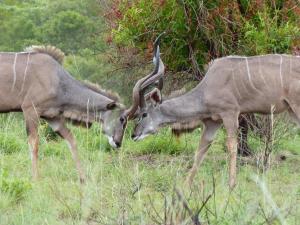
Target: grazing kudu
x=233, y=85
x=35, y=83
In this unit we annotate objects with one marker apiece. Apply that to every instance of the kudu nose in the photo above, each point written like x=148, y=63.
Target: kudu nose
x=133, y=136
x=118, y=144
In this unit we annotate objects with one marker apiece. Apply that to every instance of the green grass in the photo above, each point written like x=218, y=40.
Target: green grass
x=136, y=184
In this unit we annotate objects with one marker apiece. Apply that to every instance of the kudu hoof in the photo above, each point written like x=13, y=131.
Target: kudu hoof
x=82, y=180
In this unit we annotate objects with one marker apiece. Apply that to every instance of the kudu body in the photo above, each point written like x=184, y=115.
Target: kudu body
x=232, y=85
x=35, y=83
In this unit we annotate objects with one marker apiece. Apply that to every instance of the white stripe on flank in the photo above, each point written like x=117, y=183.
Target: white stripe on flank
x=281, y=79
x=235, y=86
x=25, y=72
x=260, y=73
x=14, y=71
x=243, y=84
x=249, y=75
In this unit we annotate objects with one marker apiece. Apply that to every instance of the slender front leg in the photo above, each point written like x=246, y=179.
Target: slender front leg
x=32, y=120
x=231, y=126
x=59, y=127
x=210, y=128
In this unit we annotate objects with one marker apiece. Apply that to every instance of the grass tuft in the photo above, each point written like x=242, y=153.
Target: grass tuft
x=16, y=188
x=10, y=144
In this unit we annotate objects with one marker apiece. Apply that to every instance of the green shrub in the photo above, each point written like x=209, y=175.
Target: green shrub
x=205, y=29
x=266, y=34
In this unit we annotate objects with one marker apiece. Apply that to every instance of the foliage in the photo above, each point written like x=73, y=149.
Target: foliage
x=66, y=25
x=84, y=65
x=203, y=30
x=68, y=30
x=266, y=34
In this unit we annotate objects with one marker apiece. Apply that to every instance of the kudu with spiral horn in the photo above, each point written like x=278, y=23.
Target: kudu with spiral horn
x=232, y=86
x=36, y=83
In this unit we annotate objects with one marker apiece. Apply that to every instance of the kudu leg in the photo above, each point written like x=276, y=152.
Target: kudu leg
x=32, y=121
x=60, y=128
x=243, y=148
x=231, y=126
x=210, y=128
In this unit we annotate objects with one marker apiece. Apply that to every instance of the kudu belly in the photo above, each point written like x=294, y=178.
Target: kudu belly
x=264, y=104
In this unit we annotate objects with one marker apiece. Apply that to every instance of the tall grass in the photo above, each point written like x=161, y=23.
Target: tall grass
x=142, y=183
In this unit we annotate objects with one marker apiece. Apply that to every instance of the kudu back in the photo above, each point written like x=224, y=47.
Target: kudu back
x=35, y=83
x=232, y=85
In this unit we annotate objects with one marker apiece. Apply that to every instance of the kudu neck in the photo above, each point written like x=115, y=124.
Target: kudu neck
x=183, y=108
x=81, y=99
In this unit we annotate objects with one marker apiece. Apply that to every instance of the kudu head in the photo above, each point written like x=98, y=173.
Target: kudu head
x=114, y=125
x=109, y=112
x=148, y=119
x=145, y=107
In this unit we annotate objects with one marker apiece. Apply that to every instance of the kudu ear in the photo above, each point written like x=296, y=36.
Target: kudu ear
x=111, y=106
x=155, y=96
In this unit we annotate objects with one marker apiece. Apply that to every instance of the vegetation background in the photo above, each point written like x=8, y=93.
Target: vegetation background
x=110, y=42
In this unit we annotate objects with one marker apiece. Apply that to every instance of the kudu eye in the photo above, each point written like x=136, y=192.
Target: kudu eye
x=122, y=120
x=144, y=115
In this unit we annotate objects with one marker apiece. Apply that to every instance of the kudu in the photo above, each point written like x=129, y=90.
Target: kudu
x=232, y=85
x=35, y=83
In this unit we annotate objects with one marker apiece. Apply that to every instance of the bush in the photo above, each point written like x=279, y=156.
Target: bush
x=266, y=34
x=203, y=30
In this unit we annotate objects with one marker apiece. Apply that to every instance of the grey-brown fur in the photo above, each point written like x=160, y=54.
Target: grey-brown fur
x=184, y=126
x=108, y=93
x=35, y=83
x=232, y=85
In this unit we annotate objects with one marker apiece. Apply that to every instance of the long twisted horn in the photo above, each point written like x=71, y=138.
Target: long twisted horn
x=137, y=93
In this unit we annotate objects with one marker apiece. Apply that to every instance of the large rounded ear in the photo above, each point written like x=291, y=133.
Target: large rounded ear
x=111, y=106
x=155, y=96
